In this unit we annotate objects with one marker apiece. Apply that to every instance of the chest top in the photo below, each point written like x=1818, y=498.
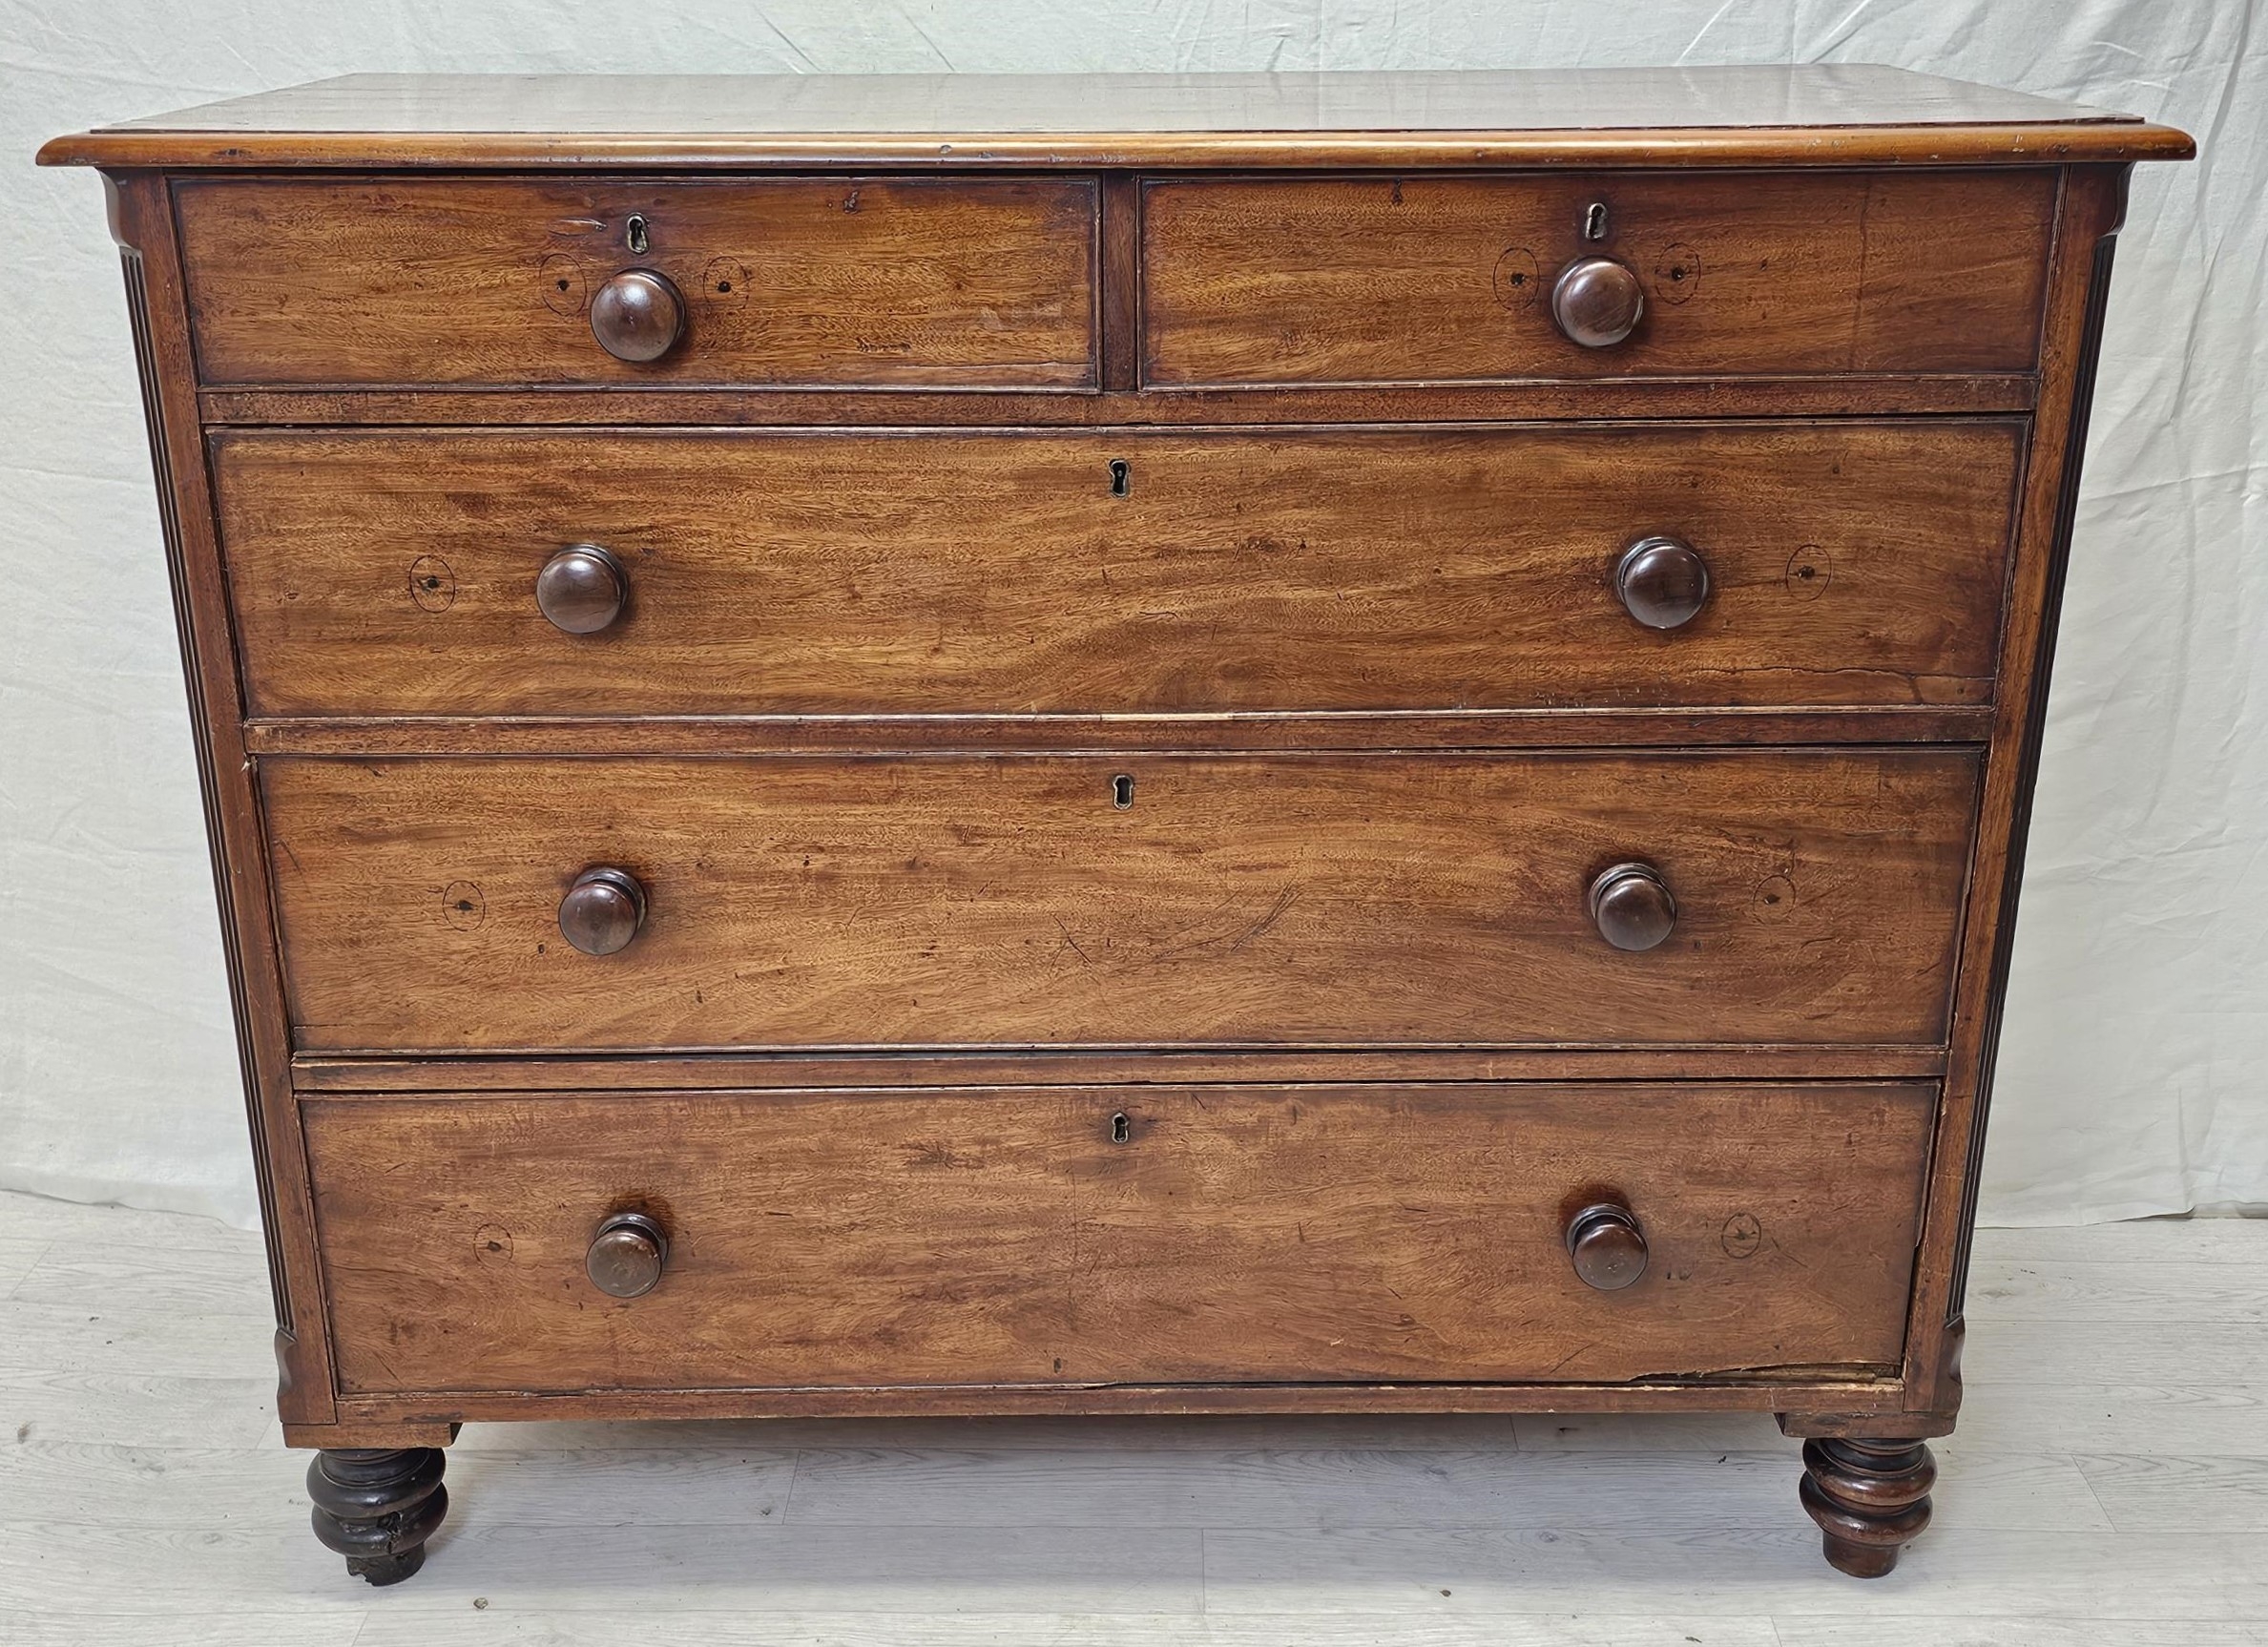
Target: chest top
x=1831, y=115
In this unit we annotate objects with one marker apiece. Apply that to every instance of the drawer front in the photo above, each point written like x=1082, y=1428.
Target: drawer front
x=1278, y=899
x=386, y=572
x=1008, y=1236
x=797, y=281
x=1446, y=280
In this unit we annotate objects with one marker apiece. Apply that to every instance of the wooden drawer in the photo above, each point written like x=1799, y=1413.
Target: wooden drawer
x=800, y=282
x=1365, y=280
x=388, y=572
x=1279, y=900
x=1296, y=1235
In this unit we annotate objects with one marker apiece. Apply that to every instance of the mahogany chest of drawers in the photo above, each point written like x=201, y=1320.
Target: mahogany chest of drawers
x=1135, y=745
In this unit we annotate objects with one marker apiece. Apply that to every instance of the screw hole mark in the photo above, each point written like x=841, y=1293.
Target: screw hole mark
x=433, y=583
x=1811, y=569
x=1121, y=477
x=1121, y=1128
x=1516, y=277
x=462, y=906
x=1122, y=791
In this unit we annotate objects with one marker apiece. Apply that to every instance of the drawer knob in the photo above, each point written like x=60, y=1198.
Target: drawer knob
x=603, y=911
x=1662, y=582
x=1631, y=907
x=1597, y=302
x=1607, y=1247
x=637, y=315
x=626, y=1255
x=581, y=589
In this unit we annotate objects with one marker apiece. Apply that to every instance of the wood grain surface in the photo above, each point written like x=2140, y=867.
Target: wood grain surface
x=924, y=572
x=877, y=281
x=1307, y=900
x=1811, y=113
x=1301, y=1233
x=1398, y=280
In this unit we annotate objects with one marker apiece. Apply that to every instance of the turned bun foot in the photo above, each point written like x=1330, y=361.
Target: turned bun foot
x=377, y=1507
x=1870, y=1498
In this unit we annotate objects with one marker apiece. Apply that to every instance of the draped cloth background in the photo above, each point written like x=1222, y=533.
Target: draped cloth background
x=2135, y=1058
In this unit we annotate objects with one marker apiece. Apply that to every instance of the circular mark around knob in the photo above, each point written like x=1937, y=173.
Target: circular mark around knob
x=1517, y=279
x=560, y=278
x=603, y=911
x=725, y=281
x=432, y=585
x=1810, y=569
x=1662, y=582
x=1676, y=273
x=637, y=315
x=462, y=906
x=491, y=1244
x=1774, y=900
x=1631, y=907
x=627, y=1255
x=582, y=589
x=1606, y=1246
x=1597, y=302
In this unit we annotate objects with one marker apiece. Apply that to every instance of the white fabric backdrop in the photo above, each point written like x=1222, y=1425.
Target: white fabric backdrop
x=2136, y=1050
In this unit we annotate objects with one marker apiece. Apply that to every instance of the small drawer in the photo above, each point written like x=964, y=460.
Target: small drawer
x=1607, y=275
x=809, y=283
x=1804, y=897
x=1147, y=1235
x=783, y=572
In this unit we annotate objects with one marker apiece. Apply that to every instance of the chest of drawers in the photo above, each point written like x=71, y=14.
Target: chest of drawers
x=1133, y=744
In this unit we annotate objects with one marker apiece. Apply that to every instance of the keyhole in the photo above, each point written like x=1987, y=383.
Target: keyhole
x=1121, y=1129
x=1595, y=222
x=1122, y=791
x=1120, y=470
x=635, y=234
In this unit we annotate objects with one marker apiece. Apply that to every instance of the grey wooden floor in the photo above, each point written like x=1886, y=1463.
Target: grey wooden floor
x=2110, y=1484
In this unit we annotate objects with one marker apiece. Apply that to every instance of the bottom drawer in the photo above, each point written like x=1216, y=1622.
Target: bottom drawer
x=1115, y=1234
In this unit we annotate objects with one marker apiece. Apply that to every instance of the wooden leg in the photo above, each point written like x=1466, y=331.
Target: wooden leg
x=1869, y=1497
x=377, y=1506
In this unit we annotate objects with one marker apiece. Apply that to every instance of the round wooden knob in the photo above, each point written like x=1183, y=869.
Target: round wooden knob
x=637, y=315
x=1596, y=302
x=626, y=1255
x=602, y=911
x=581, y=589
x=1607, y=1247
x=1662, y=582
x=1631, y=907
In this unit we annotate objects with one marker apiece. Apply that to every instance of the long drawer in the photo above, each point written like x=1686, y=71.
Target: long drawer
x=385, y=572
x=1147, y=900
x=1115, y=1234
x=800, y=281
x=1361, y=279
